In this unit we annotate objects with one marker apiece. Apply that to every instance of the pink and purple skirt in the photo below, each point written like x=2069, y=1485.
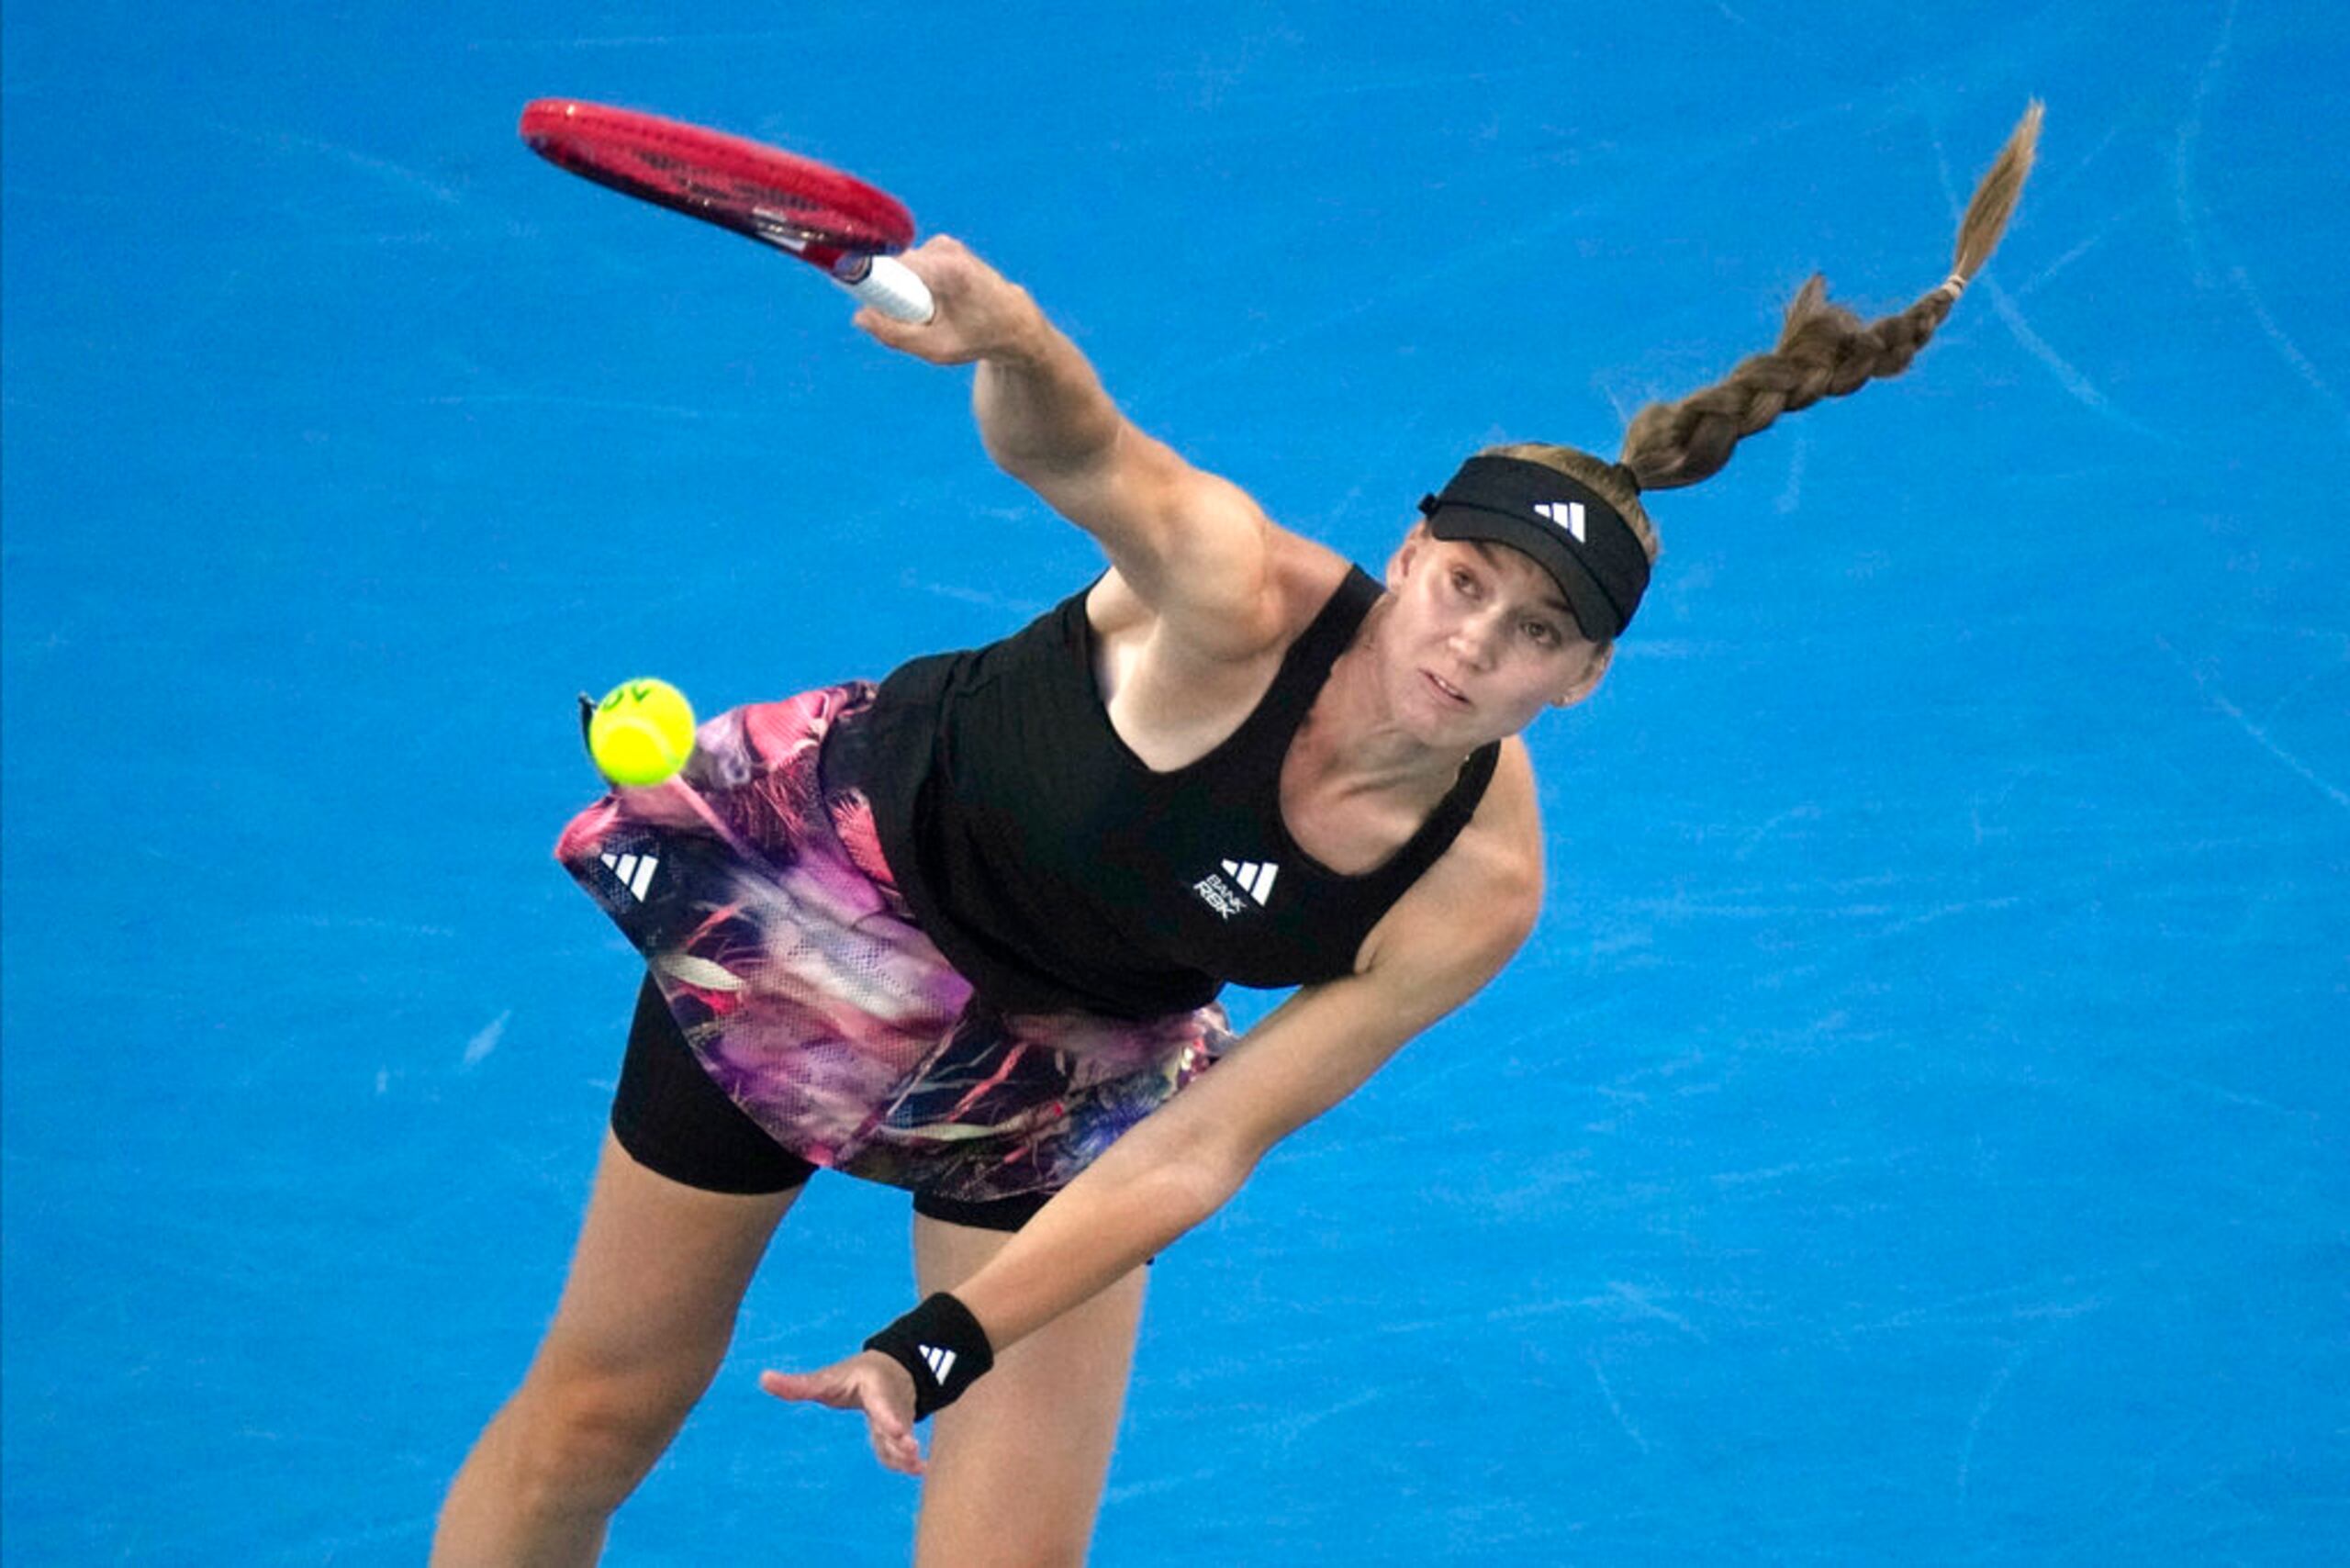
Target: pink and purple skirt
x=758, y=895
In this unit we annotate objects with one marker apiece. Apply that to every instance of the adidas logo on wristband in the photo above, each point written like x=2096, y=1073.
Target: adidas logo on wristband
x=942, y=1349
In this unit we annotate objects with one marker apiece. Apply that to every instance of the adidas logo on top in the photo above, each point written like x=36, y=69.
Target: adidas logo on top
x=1256, y=878
x=940, y=1363
x=1566, y=514
x=635, y=871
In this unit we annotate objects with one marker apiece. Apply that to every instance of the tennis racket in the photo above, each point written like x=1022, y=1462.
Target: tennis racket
x=825, y=217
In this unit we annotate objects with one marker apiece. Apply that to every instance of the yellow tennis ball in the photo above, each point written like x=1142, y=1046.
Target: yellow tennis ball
x=641, y=733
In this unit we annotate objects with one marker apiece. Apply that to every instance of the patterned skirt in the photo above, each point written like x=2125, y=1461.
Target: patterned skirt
x=756, y=890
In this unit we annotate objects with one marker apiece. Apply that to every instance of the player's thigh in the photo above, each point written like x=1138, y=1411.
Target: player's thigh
x=656, y=1279
x=1017, y=1465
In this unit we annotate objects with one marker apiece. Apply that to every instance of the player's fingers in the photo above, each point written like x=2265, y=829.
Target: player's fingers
x=844, y=1386
x=940, y=245
x=827, y=1388
x=896, y=1452
x=888, y=329
x=788, y=1386
x=937, y=340
x=939, y=265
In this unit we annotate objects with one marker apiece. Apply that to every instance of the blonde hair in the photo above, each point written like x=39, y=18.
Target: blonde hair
x=1824, y=351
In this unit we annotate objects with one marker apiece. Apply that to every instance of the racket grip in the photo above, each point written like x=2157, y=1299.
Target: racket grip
x=890, y=287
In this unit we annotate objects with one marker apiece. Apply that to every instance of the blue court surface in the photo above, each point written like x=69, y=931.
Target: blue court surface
x=1916, y=1133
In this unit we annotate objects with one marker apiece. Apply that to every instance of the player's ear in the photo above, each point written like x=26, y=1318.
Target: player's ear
x=1415, y=543
x=1586, y=680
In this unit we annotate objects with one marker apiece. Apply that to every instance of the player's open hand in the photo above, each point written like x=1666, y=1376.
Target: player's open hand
x=869, y=1382
x=981, y=314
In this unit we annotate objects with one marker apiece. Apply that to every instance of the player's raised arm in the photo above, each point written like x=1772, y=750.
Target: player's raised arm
x=1186, y=541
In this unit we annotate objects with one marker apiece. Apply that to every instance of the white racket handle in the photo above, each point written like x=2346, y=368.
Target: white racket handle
x=890, y=287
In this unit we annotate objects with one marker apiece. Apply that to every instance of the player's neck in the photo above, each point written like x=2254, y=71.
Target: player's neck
x=1355, y=742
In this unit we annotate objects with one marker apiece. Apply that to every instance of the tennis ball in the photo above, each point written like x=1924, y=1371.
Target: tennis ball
x=641, y=733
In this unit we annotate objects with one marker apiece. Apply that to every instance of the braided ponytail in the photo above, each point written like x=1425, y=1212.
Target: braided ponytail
x=1824, y=350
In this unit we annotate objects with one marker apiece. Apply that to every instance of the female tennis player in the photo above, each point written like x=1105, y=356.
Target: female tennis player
x=963, y=932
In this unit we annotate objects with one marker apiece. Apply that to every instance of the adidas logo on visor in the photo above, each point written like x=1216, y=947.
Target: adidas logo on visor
x=1566, y=514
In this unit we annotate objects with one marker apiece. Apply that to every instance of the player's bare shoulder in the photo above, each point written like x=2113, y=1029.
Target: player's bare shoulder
x=1248, y=620
x=1480, y=900
x=1178, y=681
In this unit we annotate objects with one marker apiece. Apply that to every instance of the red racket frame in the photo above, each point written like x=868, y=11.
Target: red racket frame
x=781, y=198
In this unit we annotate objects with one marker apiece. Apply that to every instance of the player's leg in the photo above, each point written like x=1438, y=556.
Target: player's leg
x=1017, y=1465
x=644, y=1321
x=688, y=1193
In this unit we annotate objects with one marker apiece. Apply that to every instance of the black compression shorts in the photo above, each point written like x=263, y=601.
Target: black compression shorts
x=676, y=1122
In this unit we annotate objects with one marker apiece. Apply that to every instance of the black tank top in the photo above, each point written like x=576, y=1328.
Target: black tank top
x=1057, y=871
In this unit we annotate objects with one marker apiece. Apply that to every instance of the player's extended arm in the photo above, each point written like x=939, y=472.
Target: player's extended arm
x=1186, y=1160
x=1181, y=1164
x=1184, y=540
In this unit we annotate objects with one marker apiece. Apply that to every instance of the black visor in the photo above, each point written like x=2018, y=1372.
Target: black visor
x=1567, y=528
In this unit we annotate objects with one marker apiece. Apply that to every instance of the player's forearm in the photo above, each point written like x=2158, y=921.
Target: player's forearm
x=1130, y=1206
x=1041, y=409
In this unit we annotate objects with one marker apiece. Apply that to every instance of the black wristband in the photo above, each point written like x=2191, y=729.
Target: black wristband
x=942, y=1346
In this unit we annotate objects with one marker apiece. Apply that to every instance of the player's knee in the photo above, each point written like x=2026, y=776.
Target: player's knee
x=588, y=1436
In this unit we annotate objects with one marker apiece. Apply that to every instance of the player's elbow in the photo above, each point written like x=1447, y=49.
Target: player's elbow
x=1515, y=927
x=1511, y=912
x=1201, y=1181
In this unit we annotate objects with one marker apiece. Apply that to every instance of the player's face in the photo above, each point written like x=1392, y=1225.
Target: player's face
x=1479, y=641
